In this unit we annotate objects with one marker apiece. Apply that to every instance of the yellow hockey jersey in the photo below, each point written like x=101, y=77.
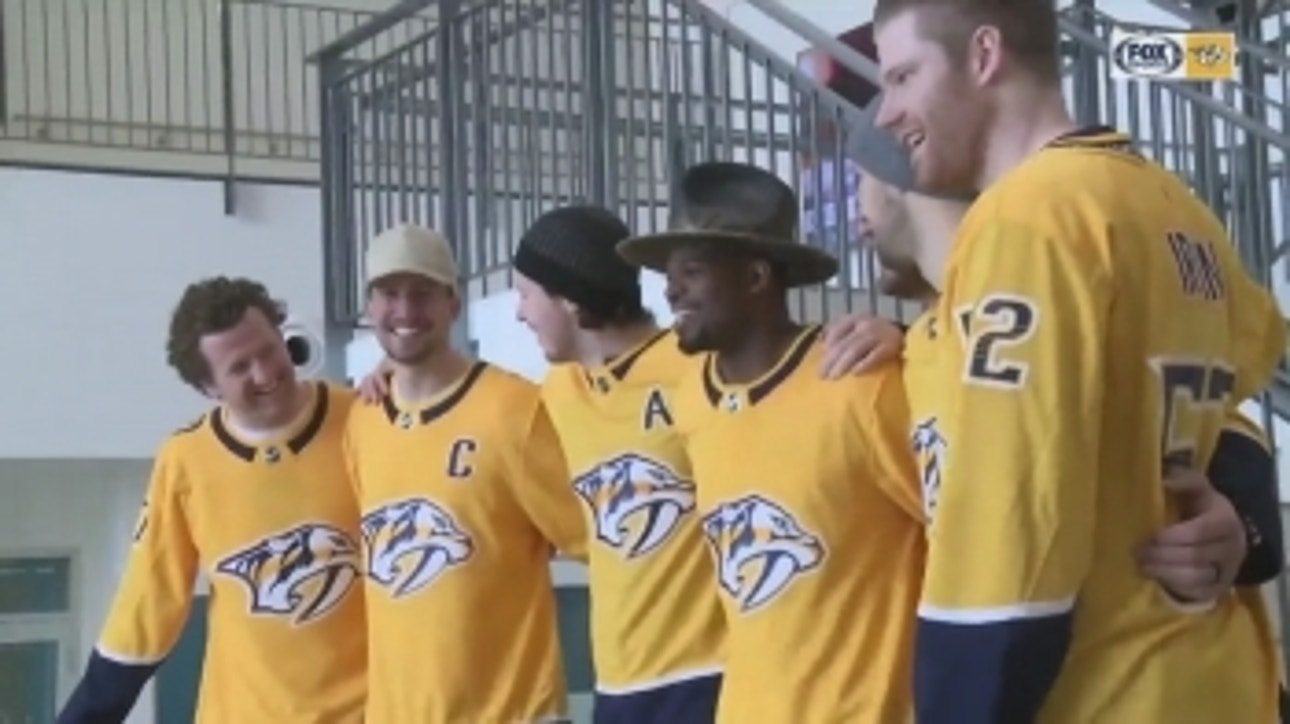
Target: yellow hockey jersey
x=463, y=499
x=810, y=507
x=655, y=615
x=1086, y=339
x=275, y=527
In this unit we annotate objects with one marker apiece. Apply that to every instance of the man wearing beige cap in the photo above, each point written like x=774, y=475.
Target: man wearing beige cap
x=464, y=493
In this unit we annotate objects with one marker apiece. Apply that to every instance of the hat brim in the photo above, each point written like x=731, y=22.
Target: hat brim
x=802, y=265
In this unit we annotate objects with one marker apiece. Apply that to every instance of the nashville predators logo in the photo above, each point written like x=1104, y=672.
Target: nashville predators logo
x=637, y=503
x=302, y=573
x=929, y=450
x=411, y=543
x=1210, y=55
x=760, y=550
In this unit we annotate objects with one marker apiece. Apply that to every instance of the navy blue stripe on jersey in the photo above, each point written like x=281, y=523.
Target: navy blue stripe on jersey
x=693, y=701
x=987, y=673
x=107, y=692
x=1242, y=469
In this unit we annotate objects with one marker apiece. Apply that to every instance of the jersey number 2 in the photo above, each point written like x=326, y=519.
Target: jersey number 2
x=1198, y=387
x=1008, y=320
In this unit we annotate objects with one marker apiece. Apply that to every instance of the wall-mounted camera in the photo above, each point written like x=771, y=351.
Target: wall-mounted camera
x=305, y=345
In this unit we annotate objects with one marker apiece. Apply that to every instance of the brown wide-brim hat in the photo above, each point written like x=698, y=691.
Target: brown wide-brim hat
x=744, y=206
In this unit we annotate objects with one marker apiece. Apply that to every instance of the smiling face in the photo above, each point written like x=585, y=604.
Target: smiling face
x=412, y=315
x=553, y=321
x=250, y=370
x=710, y=296
x=932, y=102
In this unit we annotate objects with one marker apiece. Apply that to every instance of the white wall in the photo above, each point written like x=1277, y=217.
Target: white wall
x=85, y=509
x=90, y=269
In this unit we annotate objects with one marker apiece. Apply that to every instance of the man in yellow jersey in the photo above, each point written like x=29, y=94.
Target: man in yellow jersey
x=911, y=231
x=1094, y=327
x=254, y=495
x=464, y=493
x=807, y=492
x=656, y=626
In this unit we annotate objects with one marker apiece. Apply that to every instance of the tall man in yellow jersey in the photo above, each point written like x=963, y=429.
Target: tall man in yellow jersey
x=464, y=493
x=808, y=494
x=1196, y=559
x=253, y=495
x=1093, y=330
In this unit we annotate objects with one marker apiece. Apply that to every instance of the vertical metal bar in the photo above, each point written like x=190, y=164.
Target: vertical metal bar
x=512, y=103
x=87, y=69
x=230, y=137
x=166, y=63
x=635, y=65
x=107, y=65
x=207, y=85
x=266, y=76
x=401, y=141
x=333, y=263
x=481, y=223
x=450, y=178
x=147, y=71
x=4, y=70
x=288, y=88
x=68, y=112
x=597, y=24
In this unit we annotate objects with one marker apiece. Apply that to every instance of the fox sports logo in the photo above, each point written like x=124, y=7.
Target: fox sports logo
x=1151, y=56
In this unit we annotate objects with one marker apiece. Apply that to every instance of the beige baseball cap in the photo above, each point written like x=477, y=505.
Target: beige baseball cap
x=411, y=249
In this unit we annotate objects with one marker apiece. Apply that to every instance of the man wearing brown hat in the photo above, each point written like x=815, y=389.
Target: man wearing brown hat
x=461, y=507
x=808, y=495
x=1196, y=559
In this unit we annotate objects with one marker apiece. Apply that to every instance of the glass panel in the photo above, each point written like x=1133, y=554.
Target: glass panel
x=28, y=681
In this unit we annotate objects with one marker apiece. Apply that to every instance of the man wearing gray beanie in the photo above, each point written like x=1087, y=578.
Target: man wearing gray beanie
x=656, y=618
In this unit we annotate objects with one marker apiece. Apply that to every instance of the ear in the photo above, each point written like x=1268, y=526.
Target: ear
x=209, y=390
x=455, y=305
x=760, y=276
x=985, y=55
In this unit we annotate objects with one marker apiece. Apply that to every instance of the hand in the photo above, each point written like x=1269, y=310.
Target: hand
x=376, y=385
x=1198, y=558
x=857, y=343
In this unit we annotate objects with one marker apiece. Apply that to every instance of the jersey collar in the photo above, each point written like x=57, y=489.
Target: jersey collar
x=405, y=416
x=733, y=398
x=293, y=439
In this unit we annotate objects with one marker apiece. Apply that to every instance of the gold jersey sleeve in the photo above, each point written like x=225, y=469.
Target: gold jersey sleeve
x=541, y=479
x=1087, y=341
x=152, y=601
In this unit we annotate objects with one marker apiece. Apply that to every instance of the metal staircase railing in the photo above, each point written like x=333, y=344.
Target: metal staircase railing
x=550, y=101
x=507, y=107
